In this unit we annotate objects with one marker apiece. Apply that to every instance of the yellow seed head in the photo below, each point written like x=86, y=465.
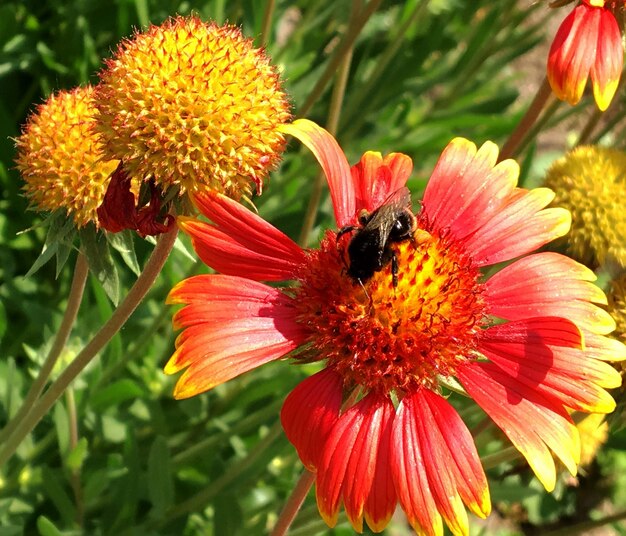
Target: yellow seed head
x=193, y=105
x=591, y=183
x=59, y=156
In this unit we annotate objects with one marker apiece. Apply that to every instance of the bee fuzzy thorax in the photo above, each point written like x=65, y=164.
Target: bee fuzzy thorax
x=388, y=335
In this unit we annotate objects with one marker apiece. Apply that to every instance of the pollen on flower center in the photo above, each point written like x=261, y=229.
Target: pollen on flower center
x=387, y=338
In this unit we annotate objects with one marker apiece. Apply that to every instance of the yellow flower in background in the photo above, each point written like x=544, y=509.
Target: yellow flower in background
x=60, y=158
x=192, y=105
x=591, y=183
x=594, y=431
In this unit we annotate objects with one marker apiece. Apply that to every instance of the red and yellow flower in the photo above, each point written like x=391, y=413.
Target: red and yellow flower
x=587, y=44
x=375, y=423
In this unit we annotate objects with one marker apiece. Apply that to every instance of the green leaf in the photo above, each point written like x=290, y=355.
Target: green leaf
x=96, y=249
x=124, y=243
x=3, y=320
x=160, y=485
x=47, y=527
x=60, y=232
x=78, y=455
x=57, y=493
x=116, y=393
x=228, y=514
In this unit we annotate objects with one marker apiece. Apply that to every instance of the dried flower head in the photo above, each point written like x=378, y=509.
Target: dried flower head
x=60, y=158
x=192, y=105
x=591, y=183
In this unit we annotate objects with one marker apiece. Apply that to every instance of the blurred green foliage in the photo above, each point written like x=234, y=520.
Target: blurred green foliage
x=144, y=464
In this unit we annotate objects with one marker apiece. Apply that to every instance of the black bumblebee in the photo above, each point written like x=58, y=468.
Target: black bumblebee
x=369, y=249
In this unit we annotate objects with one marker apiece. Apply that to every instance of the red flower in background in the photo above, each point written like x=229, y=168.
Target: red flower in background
x=587, y=44
x=375, y=424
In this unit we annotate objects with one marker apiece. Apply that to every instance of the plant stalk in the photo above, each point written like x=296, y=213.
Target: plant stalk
x=134, y=297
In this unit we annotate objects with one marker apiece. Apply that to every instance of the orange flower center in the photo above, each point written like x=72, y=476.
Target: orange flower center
x=385, y=337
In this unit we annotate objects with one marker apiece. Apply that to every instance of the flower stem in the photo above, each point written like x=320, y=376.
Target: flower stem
x=81, y=271
x=586, y=526
x=118, y=319
x=294, y=503
x=334, y=113
x=511, y=146
x=73, y=442
x=507, y=454
x=266, y=25
x=343, y=49
x=588, y=129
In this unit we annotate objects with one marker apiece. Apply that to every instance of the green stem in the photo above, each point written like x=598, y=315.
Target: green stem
x=266, y=25
x=343, y=49
x=293, y=504
x=75, y=473
x=118, y=319
x=588, y=129
x=81, y=270
x=364, y=92
x=586, y=526
x=507, y=454
x=334, y=114
x=510, y=148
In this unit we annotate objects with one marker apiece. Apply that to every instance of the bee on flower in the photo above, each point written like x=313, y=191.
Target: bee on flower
x=374, y=424
x=588, y=44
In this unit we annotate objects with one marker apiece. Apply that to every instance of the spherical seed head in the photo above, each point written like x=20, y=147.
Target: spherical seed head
x=60, y=159
x=193, y=105
x=591, y=183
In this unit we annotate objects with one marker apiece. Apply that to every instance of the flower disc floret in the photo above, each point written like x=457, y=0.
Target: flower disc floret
x=193, y=105
x=590, y=182
x=60, y=157
x=388, y=337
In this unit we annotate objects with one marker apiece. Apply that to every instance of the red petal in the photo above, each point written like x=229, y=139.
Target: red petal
x=375, y=178
x=455, y=475
x=333, y=162
x=607, y=68
x=532, y=422
x=241, y=243
x=519, y=227
x=309, y=413
x=350, y=457
x=548, y=284
x=572, y=53
x=219, y=347
x=409, y=473
x=542, y=354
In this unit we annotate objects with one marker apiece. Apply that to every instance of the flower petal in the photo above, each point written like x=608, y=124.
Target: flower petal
x=217, y=346
x=309, y=412
x=375, y=178
x=544, y=354
x=451, y=461
x=531, y=422
x=241, y=243
x=350, y=457
x=607, y=68
x=548, y=284
x=409, y=473
x=520, y=226
x=333, y=162
x=572, y=53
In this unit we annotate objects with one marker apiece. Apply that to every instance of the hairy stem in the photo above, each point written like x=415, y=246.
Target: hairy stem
x=293, y=504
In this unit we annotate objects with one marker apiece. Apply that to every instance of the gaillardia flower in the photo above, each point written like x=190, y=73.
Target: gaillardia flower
x=587, y=44
x=617, y=307
x=590, y=182
x=192, y=105
x=375, y=424
x=60, y=159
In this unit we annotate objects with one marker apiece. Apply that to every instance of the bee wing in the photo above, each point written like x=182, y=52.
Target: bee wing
x=385, y=216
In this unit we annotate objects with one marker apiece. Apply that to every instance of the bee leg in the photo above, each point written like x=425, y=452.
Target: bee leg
x=344, y=230
x=394, y=269
x=366, y=293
